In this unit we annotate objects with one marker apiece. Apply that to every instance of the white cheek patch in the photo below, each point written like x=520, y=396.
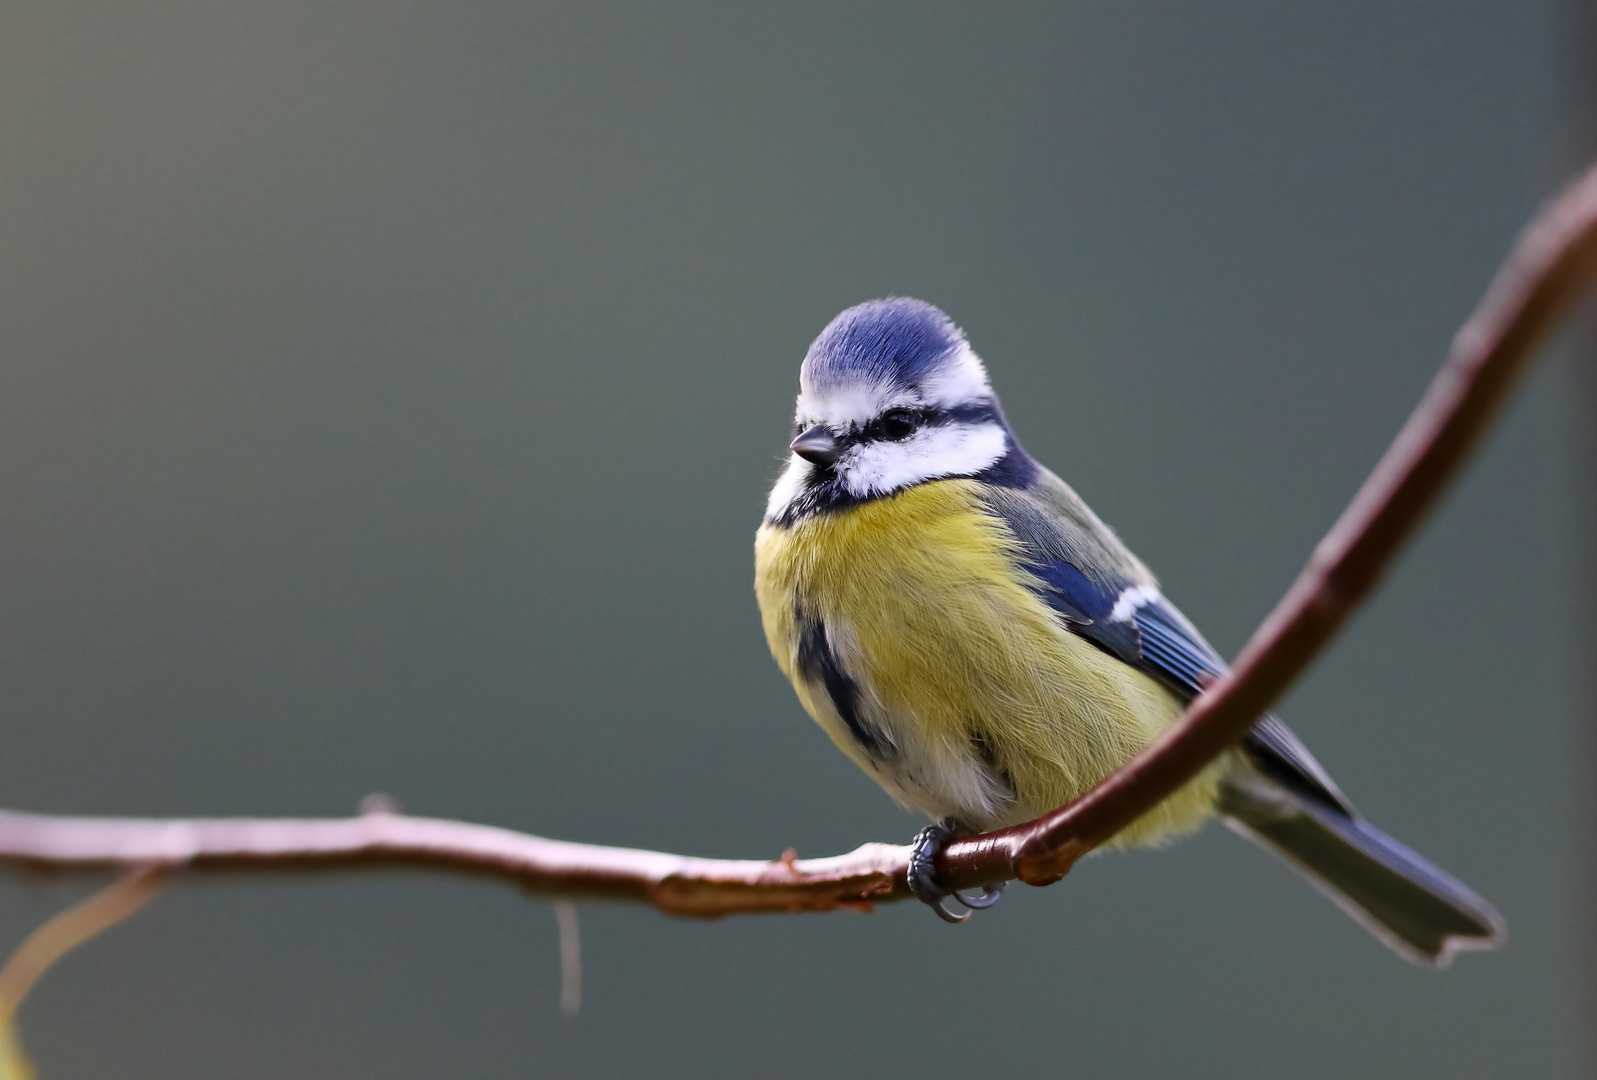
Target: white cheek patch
x=879, y=468
x=789, y=486
x=956, y=379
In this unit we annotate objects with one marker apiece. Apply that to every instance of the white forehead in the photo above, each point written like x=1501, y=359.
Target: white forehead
x=956, y=378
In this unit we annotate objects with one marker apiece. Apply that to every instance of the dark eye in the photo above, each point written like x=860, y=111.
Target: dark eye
x=899, y=424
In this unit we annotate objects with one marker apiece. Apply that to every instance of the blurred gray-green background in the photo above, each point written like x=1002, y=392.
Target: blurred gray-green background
x=388, y=394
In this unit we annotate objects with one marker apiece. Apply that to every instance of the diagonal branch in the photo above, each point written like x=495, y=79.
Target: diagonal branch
x=1552, y=261
x=1553, y=258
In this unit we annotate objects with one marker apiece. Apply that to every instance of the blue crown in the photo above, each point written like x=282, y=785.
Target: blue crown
x=896, y=342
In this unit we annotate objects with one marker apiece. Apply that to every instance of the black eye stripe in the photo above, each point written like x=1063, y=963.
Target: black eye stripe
x=894, y=425
x=976, y=413
x=898, y=424
x=875, y=431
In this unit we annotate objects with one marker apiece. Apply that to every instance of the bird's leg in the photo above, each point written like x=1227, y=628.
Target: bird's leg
x=922, y=874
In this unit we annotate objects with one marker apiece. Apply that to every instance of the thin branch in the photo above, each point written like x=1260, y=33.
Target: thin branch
x=1552, y=261
x=378, y=838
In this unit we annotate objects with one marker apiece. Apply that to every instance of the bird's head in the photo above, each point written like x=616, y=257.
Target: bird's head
x=890, y=395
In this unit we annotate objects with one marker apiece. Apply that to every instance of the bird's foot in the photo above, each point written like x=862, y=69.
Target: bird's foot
x=923, y=852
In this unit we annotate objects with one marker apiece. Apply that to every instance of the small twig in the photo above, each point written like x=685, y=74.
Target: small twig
x=66, y=930
x=1552, y=260
x=570, y=958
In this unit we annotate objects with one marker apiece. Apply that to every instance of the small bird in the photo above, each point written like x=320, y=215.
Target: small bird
x=972, y=636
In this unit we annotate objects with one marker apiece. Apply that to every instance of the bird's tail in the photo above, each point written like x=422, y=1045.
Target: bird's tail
x=1416, y=909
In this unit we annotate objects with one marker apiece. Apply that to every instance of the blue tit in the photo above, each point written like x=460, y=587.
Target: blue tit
x=975, y=639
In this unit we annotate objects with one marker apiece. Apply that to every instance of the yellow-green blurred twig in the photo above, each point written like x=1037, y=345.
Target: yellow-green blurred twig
x=68, y=929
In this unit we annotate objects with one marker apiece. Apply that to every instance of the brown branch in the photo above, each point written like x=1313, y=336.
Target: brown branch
x=1552, y=260
x=676, y=884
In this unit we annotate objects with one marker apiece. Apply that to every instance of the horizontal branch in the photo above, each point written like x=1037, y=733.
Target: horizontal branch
x=678, y=884
x=1552, y=260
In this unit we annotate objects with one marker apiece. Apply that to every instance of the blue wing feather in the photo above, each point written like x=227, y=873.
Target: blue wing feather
x=1154, y=637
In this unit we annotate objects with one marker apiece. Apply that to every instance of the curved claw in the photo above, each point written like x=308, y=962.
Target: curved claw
x=922, y=875
x=990, y=895
x=948, y=916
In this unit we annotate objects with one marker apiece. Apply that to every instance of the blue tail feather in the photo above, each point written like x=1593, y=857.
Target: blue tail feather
x=1409, y=903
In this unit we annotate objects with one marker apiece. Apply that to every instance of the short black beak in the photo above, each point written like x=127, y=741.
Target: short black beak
x=816, y=446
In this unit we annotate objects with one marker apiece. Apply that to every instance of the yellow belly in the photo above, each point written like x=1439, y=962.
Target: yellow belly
x=955, y=651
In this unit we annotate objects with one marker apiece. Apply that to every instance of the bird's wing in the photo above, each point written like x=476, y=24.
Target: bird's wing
x=1114, y=603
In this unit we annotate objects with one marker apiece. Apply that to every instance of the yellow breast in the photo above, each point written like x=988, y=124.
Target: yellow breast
x=957, y=653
